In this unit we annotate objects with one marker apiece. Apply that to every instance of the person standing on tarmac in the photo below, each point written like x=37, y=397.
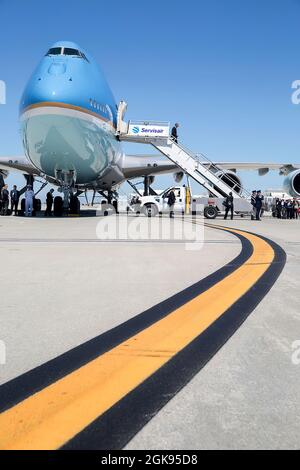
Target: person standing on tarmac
x=253, y=203
x=174, y=133
x=29, y=195
x=228, y=203
x=259, y=203
x=5, y=199
x=49, y=203
x=171, y=202
x=14, y=199
x=278, y=207
x=295, y=209
x=289, y=207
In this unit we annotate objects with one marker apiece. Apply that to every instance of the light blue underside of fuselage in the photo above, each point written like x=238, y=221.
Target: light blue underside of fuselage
x=57, y=142
x=62, y=143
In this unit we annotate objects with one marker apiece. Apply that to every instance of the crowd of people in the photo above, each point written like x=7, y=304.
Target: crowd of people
x=281, y=208
x=29, y=206
x=286, y=209
x=9, y=201
x=257, y=202
x=9, y=198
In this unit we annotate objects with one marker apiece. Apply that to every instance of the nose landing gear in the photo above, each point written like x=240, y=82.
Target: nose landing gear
x=67, y=187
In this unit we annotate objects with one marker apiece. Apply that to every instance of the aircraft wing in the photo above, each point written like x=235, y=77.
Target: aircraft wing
x=17, y=164
x=143, y=165
x=262, y=168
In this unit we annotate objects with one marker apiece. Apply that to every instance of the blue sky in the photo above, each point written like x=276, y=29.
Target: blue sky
x=223, y=69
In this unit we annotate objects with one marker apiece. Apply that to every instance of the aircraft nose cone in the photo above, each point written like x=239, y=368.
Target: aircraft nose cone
x=57, y=68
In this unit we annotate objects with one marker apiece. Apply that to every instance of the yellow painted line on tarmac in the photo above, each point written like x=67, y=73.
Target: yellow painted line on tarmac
x=54, y=415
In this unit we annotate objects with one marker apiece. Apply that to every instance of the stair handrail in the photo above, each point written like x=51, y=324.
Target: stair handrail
x=197, y=156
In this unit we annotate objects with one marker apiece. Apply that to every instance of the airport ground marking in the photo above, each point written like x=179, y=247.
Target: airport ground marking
x=67, y=412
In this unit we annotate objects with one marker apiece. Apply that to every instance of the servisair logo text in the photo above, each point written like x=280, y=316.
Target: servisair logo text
x=143, y=130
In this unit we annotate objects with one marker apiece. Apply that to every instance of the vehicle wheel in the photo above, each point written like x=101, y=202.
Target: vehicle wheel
x=210, y=212
x=150, y=210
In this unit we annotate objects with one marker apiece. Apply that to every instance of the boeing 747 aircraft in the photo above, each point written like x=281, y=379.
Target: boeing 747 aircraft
x=69, y=117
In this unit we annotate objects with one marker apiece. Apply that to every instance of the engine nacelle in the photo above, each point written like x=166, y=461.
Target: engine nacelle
x=178, y=176
x=3, y=174
x=291, y=184
x=231, y=179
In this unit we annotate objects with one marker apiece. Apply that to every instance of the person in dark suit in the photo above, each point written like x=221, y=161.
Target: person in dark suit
x=295, y=209
x=174, y=133
x=14, y=199
x=259, y=204
x=228, y=203
x=49, y=203
x=278, y=206
x=5, y=200
x=171, y=202
x=289, y=209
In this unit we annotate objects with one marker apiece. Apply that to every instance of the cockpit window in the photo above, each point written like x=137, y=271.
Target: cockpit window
x=69, y=51
x=66, y=51
x=54, y=51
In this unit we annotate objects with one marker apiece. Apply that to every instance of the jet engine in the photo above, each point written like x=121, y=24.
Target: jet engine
x=3, y=174
x=231, y=179
x=291, y=184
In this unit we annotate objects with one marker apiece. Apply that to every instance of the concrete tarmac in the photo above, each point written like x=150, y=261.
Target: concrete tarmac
x=61, y=286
